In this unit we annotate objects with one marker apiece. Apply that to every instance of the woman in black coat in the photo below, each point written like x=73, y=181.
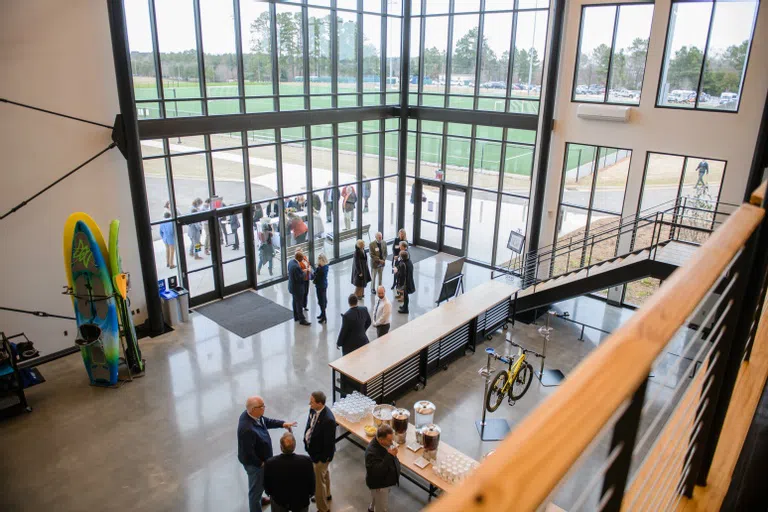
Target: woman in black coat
x=401, y=237
x=361, y=276
x=405, y=279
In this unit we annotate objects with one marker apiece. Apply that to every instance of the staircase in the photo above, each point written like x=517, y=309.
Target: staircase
x=653, y=243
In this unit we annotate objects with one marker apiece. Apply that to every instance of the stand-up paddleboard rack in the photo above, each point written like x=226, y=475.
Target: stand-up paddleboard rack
x=92, y=335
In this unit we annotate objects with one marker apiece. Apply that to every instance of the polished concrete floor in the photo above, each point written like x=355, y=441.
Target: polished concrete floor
x=167, y=441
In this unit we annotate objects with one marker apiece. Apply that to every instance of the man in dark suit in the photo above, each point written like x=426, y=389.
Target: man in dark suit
x=382, y=468
x=254, y=447
x=296, y=288
x=288, y=478
x=320, y=443
x=354, y=323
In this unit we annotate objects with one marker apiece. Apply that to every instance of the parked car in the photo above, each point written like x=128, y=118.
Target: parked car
x=729, y=98
x=581, y=89
x=622, y=93
x=681, y=96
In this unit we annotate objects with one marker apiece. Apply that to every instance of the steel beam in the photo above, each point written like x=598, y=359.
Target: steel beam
x=202, y=125
x=484, y=118
x=122, y=59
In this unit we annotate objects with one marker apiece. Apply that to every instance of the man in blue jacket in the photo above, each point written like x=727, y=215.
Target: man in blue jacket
x=296, y=287
x=254, y=447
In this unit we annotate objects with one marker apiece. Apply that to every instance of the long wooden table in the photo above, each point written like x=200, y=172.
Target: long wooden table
x=406, y=356
x=355, y=433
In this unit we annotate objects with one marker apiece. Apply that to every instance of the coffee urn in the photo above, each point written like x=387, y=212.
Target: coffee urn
x=423, y=413
x=400, y=424
x=431, y=436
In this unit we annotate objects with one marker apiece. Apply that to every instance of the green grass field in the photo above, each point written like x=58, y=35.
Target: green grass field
x=519, y=158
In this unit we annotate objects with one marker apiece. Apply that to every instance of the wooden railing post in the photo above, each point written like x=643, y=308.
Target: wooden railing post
x=624, y=434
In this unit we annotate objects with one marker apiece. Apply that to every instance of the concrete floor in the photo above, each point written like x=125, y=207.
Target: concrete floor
x=167, y=441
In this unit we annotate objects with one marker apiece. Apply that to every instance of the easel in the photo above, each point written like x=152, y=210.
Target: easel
x=456, y=284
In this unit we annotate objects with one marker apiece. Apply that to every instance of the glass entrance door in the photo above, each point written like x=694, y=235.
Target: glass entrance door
x=232, y=243
x=213, y=256
x=430, y=216
x=441, y=215
x=454, y=214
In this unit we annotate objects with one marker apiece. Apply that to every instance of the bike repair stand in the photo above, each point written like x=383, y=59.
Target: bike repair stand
x=548, y=378
x=493, y=429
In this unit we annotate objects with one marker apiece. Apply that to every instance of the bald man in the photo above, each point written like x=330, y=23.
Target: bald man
x=289, y=478
x=254, y=447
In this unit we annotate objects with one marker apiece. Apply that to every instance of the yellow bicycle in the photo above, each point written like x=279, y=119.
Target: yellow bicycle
x=512, y=382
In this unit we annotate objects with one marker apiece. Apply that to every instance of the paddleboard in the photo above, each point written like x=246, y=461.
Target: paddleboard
x=69, y=232
x=120, y=283
x=95, y=307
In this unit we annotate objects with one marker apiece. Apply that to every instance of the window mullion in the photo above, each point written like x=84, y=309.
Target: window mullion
x=610, y=55
x=704, y=55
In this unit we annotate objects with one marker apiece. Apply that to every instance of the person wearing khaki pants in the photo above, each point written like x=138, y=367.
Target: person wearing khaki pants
x=320, y=443
x=378, y=253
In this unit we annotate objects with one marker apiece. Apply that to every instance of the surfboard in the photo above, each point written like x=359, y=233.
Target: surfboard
x=120, y=283
x=69, y=233
x=95, y=307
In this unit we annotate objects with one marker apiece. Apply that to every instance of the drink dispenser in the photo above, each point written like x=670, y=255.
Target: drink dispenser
x=423, y=413
x=431, y=436
x=400, y=424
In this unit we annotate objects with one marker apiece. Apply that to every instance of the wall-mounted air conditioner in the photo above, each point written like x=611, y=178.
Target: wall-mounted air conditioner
x=615, y=113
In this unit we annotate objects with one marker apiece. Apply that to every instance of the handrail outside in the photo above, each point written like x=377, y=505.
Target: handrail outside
x=533, y=459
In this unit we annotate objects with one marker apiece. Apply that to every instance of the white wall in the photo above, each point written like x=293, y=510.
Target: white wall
x=724, y=136
x=56, y=55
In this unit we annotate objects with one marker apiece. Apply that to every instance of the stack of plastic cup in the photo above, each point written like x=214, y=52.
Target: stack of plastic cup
x=353, y=407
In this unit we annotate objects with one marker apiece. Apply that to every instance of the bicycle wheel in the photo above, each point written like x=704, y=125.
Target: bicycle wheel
x=495, y=392
x=522, y=382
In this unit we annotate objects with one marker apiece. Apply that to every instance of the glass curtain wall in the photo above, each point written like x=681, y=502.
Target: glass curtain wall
x=496, y=164
x=287, y=178
x=252, y=56
x=446, y=70
x=340, y=180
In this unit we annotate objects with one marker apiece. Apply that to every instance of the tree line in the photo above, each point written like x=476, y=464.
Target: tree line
x=722, y=72
x=257, y=65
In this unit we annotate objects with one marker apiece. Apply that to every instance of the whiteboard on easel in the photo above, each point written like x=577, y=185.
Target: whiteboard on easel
x=516, y=242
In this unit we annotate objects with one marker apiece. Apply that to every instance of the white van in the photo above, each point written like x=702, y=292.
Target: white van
x=728, y=97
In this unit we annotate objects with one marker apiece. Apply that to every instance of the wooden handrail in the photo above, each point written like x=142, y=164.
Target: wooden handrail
x=533, y=459
x=758, y=194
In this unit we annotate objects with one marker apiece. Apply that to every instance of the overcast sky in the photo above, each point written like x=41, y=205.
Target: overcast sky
x=176, y=31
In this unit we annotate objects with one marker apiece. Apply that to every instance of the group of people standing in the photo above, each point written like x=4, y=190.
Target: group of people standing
x=301, y=273
x=292, y=480
x=402, y=268
x=195, y=231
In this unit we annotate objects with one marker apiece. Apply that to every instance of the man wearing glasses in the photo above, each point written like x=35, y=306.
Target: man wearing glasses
x=254, y=447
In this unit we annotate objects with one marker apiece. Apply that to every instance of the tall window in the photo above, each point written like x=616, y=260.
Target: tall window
x=668, y=177
x=613, y=45
x=592, y=198
x=706, y=54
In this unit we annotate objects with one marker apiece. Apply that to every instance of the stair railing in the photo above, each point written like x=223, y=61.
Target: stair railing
x=673, y=213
